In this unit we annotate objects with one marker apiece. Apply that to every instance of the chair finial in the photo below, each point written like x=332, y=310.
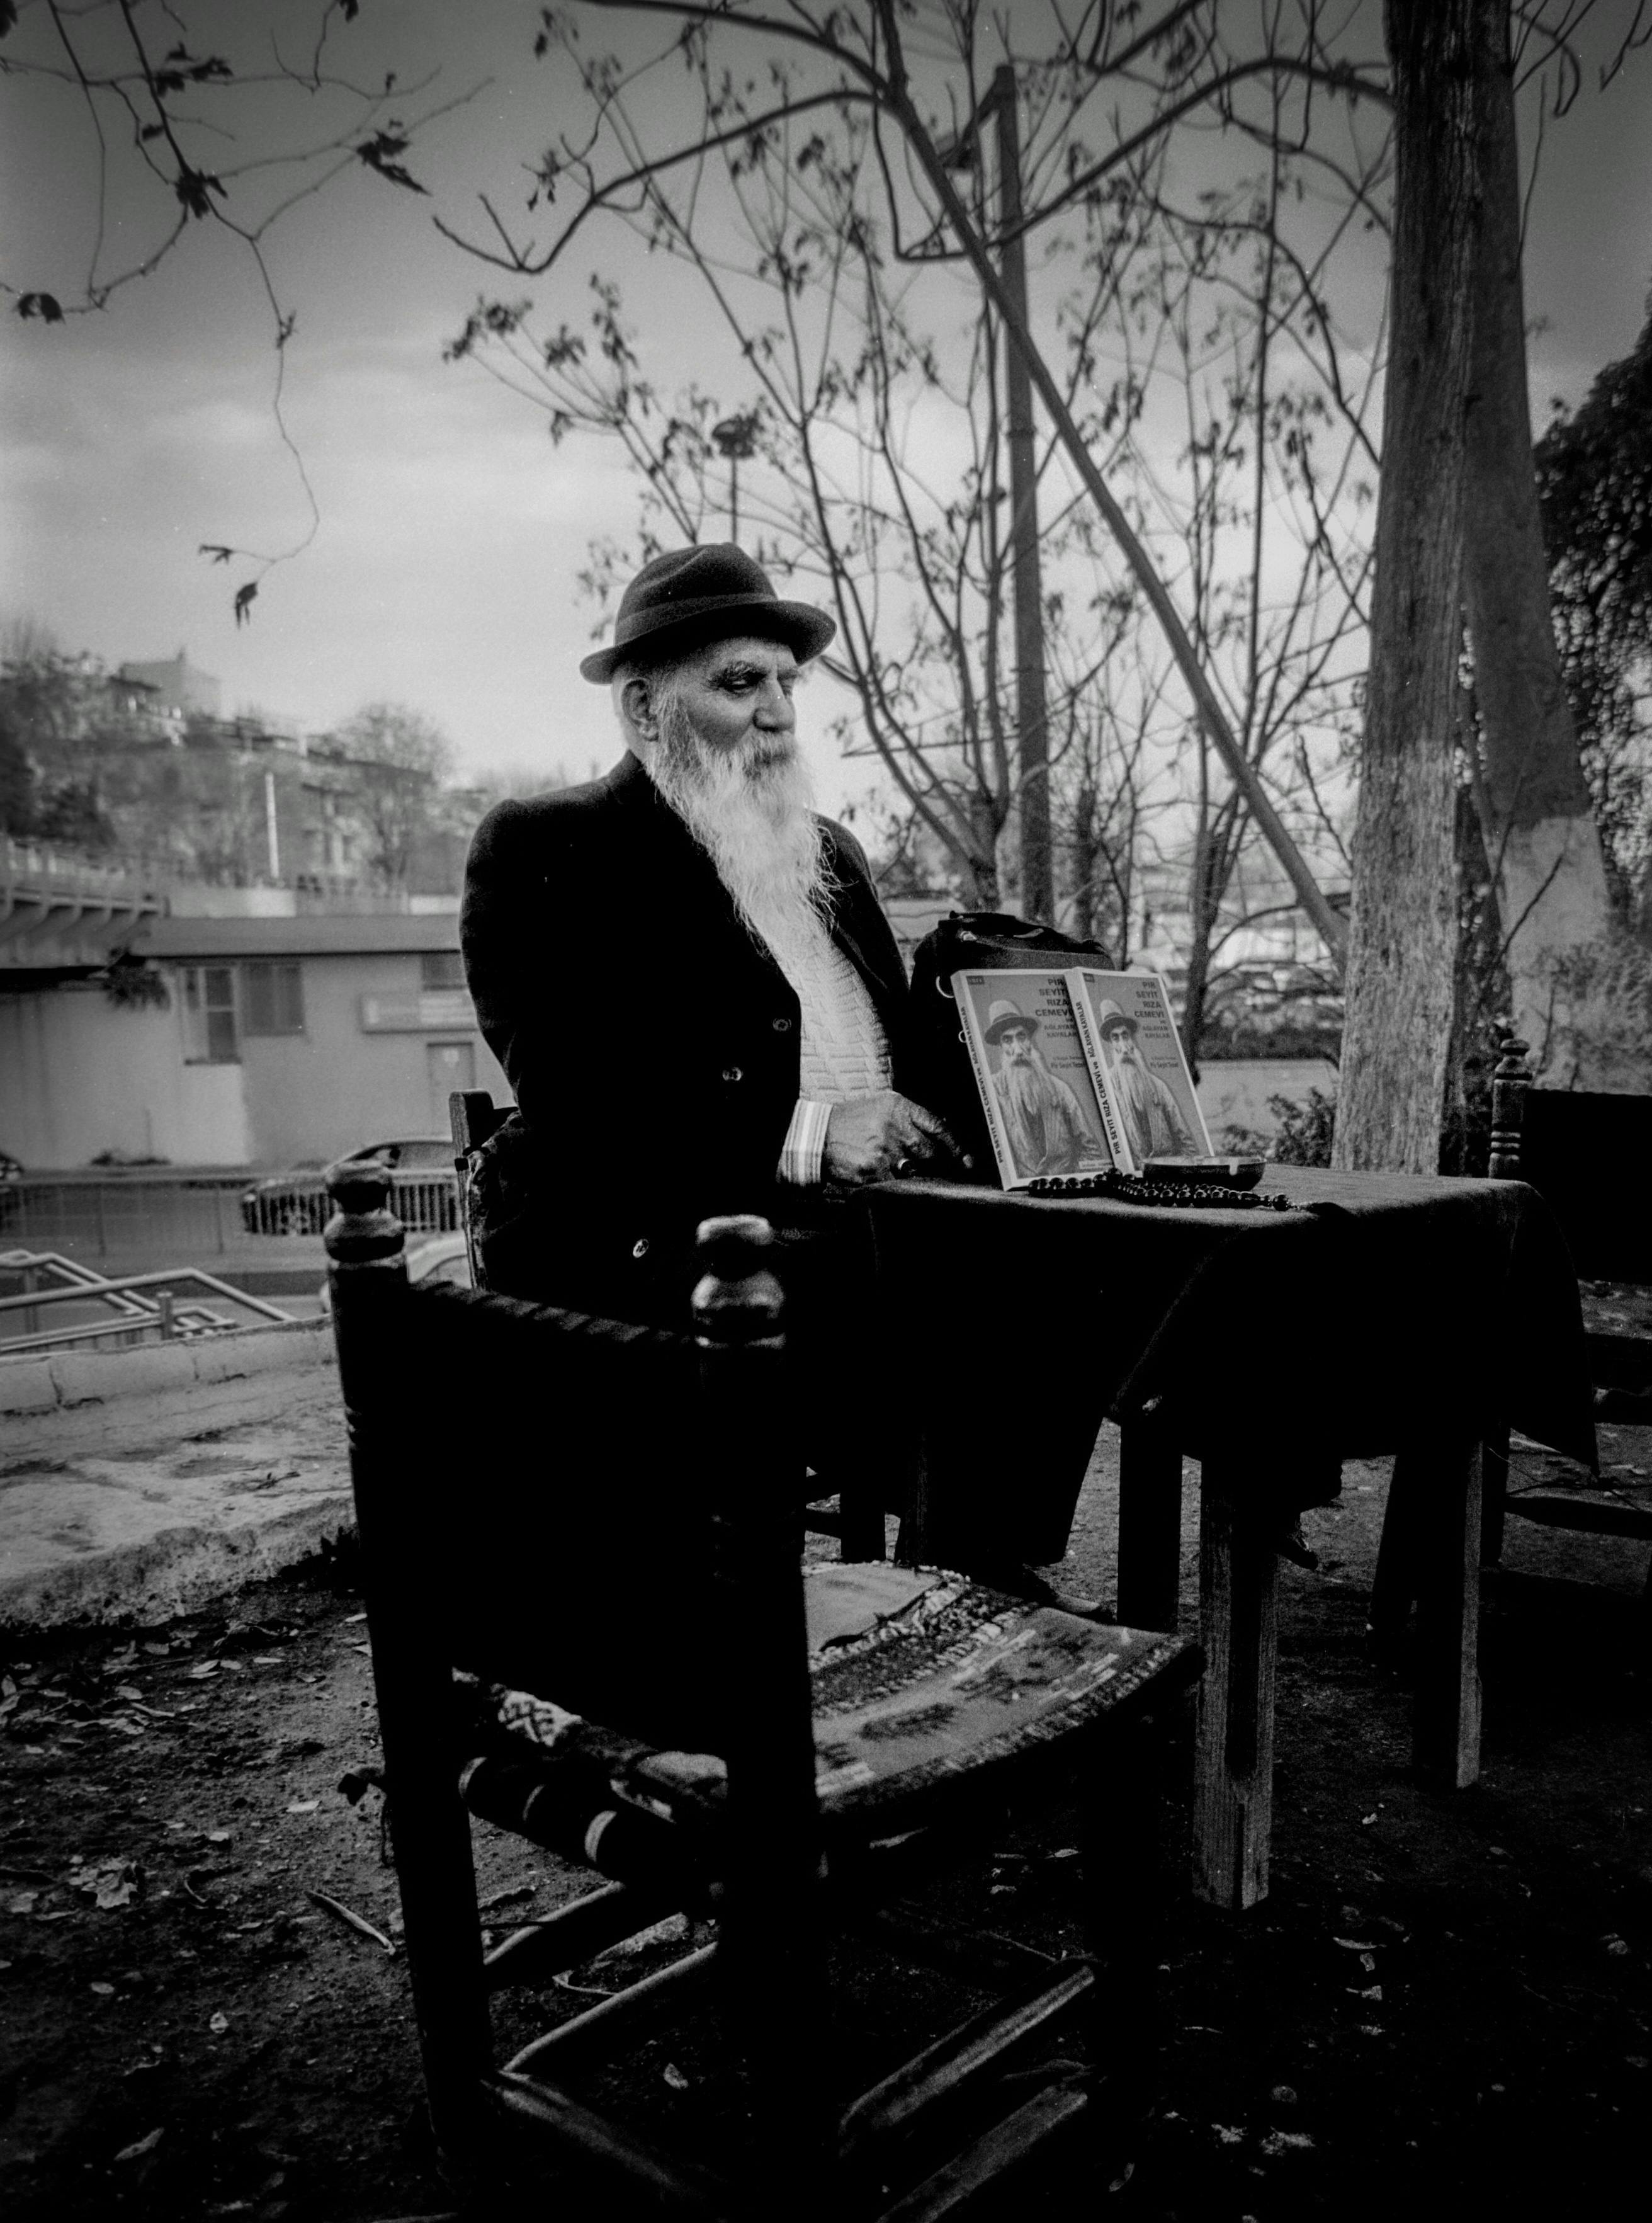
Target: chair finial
x=362, y=1228
x=737, y=1299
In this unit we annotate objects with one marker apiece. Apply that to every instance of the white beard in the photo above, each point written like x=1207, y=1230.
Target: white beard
x=1028, y=1086
x=751, y=810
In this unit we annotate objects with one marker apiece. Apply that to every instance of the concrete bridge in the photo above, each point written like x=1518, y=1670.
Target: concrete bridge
x=59, y=908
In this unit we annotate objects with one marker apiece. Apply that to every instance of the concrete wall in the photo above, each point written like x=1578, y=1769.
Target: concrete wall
x=78, y=1076
x=315, y=1095
x=1235, y=1091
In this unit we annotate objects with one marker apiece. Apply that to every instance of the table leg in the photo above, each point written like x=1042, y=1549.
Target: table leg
x=861, y=1513
x=1447, y=1737
x=1401, y=1549
x=1150, y=1528
x=1232, y=1774
x=1494, y=1495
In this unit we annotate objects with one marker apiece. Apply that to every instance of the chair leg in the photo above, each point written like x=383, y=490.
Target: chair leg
x=1448, y=1733
x=774, y=1997
x=1233, y=1778
x=431, y=1833
x=1124, y=1901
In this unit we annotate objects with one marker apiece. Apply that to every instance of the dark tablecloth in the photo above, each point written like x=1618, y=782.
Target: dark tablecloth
x=1394, y=1311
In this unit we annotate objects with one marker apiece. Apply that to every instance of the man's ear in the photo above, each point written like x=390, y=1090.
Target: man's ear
x=637, y=701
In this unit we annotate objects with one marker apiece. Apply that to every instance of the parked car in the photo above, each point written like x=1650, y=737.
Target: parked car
x=426, y=1190
x=438, y=1258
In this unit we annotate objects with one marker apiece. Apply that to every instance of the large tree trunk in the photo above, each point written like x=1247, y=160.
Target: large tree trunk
x=1565, y=948
x=1403, y=935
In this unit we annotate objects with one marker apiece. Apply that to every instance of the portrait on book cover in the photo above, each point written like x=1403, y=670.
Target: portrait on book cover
x=1040, y=1085
x=1152, y=1091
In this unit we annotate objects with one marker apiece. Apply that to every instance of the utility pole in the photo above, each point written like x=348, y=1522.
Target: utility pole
x=1032, y=715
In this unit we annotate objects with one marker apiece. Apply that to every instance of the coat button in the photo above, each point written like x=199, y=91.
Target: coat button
x=783, y=1026
x=639, y=1248
x=732, y=1073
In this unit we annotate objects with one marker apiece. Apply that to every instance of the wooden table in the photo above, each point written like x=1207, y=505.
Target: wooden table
x=1382, y=1313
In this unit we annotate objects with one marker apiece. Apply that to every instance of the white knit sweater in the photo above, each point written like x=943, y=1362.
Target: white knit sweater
x=845, y=1051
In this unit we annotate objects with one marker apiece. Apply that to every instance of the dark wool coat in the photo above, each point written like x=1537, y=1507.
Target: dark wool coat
x=652, y=1044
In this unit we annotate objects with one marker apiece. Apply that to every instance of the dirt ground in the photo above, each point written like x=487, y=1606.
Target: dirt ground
x=1444, y=2003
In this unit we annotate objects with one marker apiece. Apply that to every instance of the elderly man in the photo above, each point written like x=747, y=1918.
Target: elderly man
x=1152, y=1117
x=742, y=1003
x=1044, y=1120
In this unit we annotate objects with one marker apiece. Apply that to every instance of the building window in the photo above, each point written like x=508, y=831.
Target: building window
x=440, y=968
x=210, y=1037
x=272, y=999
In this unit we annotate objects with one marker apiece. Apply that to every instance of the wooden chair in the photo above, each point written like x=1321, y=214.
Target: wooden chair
x=856, y=1517
x=657, y=1716
x=1585, y=1154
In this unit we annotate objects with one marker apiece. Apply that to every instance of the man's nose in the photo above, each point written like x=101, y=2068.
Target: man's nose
x=774, y=712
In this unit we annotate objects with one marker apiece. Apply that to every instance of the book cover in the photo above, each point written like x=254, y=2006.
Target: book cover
x=1035, y=1082
x=1123, y=1157
x=1137, y=1065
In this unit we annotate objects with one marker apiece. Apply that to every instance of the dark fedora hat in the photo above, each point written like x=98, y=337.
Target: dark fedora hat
x=1002, y=1016
x=692, y=595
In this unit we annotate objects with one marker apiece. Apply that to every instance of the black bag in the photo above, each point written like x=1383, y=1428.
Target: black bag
x=984, y=942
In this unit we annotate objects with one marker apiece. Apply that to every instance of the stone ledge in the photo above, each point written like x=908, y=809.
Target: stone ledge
x=36, y=1385
x=147, y=1580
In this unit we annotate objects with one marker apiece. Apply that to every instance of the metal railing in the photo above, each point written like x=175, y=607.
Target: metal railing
x=426, y=1202
x=55, y=870
x=193, y=1214
x=198, y=1215
x=50, y=1280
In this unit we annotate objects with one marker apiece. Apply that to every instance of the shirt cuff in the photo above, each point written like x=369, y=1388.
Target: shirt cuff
x=803, y=1152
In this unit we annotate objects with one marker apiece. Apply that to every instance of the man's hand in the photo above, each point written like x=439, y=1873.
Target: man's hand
x=879, y=1138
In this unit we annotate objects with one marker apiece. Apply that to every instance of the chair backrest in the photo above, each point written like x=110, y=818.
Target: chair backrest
x=1583, y=1152
x=1588, y=1155
x=602, y=1513
x=473, y=1116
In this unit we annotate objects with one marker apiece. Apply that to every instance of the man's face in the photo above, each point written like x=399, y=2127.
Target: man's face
x=1016, y=1043
x=737, y=695
x=1122, y=1044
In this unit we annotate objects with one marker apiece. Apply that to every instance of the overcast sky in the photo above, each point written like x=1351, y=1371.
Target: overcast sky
x=444, y=573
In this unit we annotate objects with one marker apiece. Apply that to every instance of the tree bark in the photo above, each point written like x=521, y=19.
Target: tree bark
x=1403, y=932
x=1564, y=946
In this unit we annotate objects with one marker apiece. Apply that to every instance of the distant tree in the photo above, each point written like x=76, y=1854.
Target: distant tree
x=48, y=698
x=1594, y=479
x=17, y=782
x=53, y=706
x=71, y=813
x=403, y=758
